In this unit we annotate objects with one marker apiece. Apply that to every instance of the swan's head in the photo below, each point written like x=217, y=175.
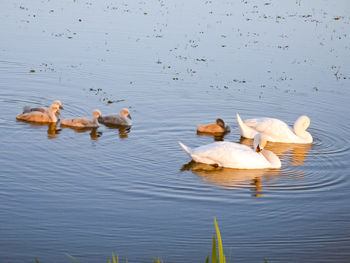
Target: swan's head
x=125, y=113
x=260, y=141
x=58, y=103
x=96, y=114
x=220, y=122
x=54, y=109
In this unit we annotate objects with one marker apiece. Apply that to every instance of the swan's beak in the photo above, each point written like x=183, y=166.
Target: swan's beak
x=258, y=149
x=61, y=107
x=129, y=117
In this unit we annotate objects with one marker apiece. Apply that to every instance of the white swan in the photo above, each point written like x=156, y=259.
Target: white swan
x=27, y=109
x=40, y=117
x=81, y=123
x=235, y=155
x=123, y=119
x=276, y=130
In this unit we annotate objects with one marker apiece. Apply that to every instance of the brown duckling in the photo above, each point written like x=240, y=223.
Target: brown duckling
x=27, y=109
x=215, y=128
x=41, y=117
x=81, y=123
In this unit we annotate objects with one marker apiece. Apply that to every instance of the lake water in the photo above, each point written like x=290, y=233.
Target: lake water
x=174, y=64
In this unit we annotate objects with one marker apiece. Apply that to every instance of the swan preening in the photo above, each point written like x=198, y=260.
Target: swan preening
x=124, y=119
x=81, y=123
x=235, y=155
x=41, y=117
x=276, y=130
x=214, y=128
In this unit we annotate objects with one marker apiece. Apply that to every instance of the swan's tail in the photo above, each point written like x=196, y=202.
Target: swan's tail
x=186, y=149
x=246, y=131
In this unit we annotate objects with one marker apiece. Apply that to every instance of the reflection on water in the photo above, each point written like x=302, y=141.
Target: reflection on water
x=123, y=130
x=176, y=62
x=298, y=152
x=94, y=134
x=216, y=137
x=52, y=131
x=231, y=178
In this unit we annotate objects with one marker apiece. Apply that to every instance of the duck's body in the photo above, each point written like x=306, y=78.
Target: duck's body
x=122, y=119
x=27, y=109
x=276, y=130
x=40, y=117
x=234, y=155
x=81, y=123
x=214, y=128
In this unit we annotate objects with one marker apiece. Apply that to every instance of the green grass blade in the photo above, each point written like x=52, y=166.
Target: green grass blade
x=222, y=258
x=36, y=260
x=265, y=261
x=214, y=256
x=72, y=258
x=207, y=260
x=113, y=258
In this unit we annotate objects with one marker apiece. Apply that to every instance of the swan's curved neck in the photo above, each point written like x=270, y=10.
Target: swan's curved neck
x=300, y=126
x=271, y=158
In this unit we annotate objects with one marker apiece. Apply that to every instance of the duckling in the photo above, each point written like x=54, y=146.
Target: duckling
x=27, y=109
x=81, y=123
x=124, y=119
x=215, y=128
x=41, y=117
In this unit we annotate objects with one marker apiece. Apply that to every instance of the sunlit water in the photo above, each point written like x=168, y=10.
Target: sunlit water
x=174, y=65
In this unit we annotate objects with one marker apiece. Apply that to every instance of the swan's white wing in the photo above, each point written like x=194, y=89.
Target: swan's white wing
x=275, y=129
x=227, y=154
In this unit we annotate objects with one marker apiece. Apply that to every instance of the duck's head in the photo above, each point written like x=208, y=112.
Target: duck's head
x=96, y=114
x=58, y=103
x=260, y=141
x=55, y=109
x=125, y=113
x=220, y=122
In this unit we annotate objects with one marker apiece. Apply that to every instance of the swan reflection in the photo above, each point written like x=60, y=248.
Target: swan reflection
x=232, y=178
x=297, y=152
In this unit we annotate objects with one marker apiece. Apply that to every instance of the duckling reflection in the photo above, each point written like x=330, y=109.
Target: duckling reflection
x=122, y=129
x=94, y=134
x=52, y=131
x=232, y=178
x=298, y=152
x=217, y=138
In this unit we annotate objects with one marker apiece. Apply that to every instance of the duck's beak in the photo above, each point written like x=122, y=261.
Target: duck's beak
x=61, y=107
x=129, y=117
x=258, y=149
x=58, y=112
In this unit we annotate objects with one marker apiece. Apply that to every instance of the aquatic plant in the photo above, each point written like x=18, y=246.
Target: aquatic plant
x=217, y=251
x=217, y=255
